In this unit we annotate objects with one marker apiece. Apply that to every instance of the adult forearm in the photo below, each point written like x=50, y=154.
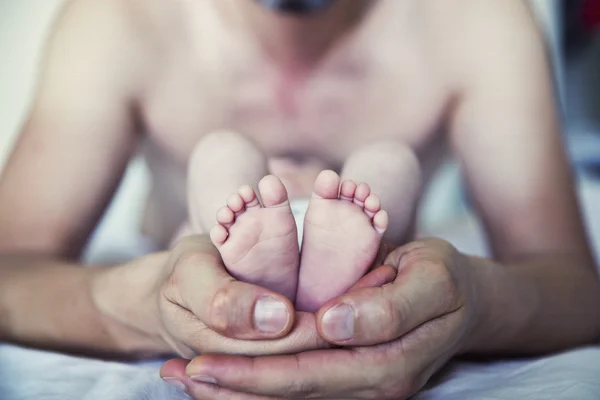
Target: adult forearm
x=535, y=307
x=50, y=305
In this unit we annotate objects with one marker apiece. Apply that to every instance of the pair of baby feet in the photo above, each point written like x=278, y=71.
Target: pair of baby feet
x=343, y=228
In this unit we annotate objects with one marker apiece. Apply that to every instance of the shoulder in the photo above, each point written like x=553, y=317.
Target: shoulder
x=116, y=38
x=97, y=21
x=482, y=37
x=460, y=19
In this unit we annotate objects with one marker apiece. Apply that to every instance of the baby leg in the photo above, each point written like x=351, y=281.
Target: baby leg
x=345, y=220
x=258, y=243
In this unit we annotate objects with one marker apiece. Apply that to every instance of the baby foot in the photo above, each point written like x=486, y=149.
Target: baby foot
x=342, y=234
x=259, y=245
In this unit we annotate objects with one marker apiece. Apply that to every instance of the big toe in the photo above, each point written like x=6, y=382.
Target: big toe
x=272, y=191
x=327, y=185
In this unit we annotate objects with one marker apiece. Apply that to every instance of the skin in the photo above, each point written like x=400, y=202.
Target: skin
x=343, y=227
x=442, y=63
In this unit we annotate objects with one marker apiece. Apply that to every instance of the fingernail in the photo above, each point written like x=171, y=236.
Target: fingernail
x=338, y=323
x=270, y=315
x=175, y=382
x=204, y=379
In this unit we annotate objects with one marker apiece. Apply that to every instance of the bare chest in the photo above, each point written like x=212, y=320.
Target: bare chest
x=325, y=118
x=363, y=93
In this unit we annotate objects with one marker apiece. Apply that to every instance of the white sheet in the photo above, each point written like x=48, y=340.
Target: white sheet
x=573, y=375
x=34, y=375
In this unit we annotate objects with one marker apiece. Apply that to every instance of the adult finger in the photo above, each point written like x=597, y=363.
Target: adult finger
x=378, y=277
x=315, y=374
x=199, y=283
x=423, y=290
x=303, y=337
x=393, y=370
x=173, y=373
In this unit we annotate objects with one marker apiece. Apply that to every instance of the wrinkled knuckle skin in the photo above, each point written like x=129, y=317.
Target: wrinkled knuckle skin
x=451, y=295
x=194, y=247
x=395, y=312
x=445, y=282
x=177, y=264
x=179, y=257
x=172, y=278
x=184, y=261
x=300, y=390
x=438, y=272
x=218, y=311
x=189, y=259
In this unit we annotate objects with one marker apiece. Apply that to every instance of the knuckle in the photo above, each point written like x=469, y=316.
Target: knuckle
x=218, y=310
x=445, y=284
x=437, y=269
x=395, y=311
x=435, y=260
x=189, y=258
x=184, y=260
x=300, y=388
x=414, y=255
x=177, y=267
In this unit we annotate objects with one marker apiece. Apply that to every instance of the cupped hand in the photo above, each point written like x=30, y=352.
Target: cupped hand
x=203, y=310
x=389, y=339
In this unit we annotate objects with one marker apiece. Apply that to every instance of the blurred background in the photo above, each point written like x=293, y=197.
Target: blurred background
x=573, y=31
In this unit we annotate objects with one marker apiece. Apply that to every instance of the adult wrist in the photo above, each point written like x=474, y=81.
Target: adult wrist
x=485, y=283
x=126, y=299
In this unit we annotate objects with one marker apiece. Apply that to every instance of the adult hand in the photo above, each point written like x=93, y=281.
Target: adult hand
x=188, y=302
x=392, y=337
